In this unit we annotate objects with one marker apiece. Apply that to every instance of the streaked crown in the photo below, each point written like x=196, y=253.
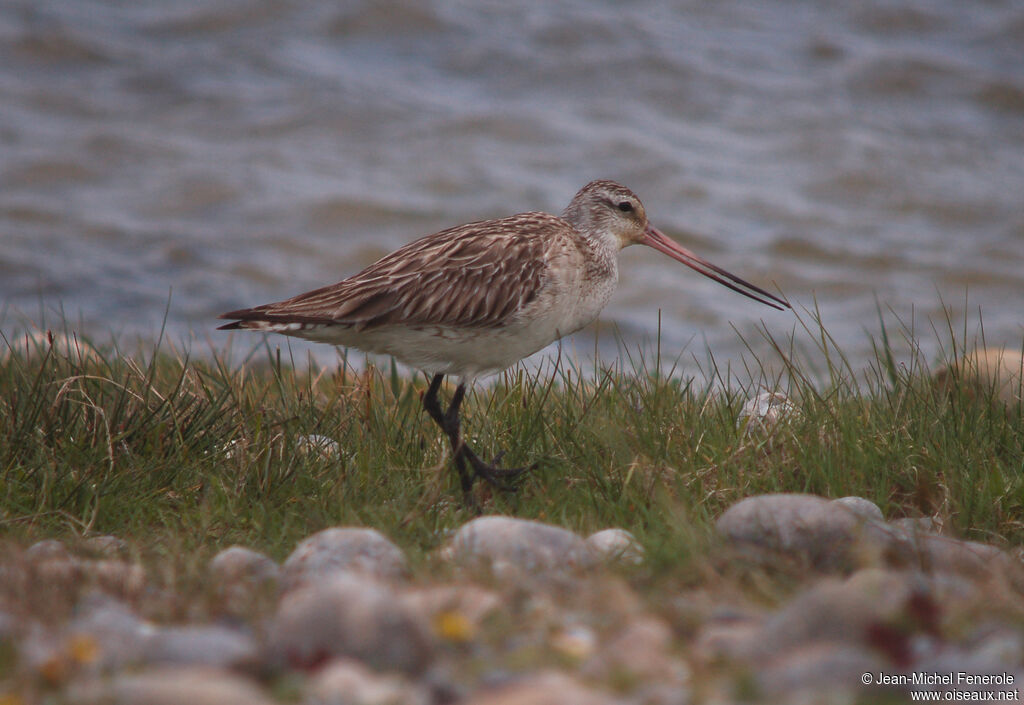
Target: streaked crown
x=604, y=208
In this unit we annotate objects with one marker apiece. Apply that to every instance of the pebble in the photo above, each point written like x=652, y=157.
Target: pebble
x=106, y=546
x=201, y=645
x=47, y=550
x=349, y=615
x=119, y=635
x=987, y=371
x=616, y=545
x=844, y=612
x=346, y=682
x=575, y=642
x=546, y=688
x=343, y=550
x=835, y=669
x=116, y=577
x=510, y=546
x=455, y=612
x=169, y=686
x=640, y=652
x=864, y=508
x=315, y=444
x=241, y=577
x=909, y=527
x=37, y=343
x=764, y=411
x=934, y=553
x=828, y=534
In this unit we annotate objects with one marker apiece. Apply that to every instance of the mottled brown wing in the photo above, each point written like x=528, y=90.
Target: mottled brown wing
x=474, y=276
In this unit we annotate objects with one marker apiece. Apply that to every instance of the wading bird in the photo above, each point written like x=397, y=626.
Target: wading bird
x=474, y=299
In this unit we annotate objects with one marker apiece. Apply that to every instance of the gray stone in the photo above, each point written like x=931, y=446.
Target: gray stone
x=827, y=534
x=934, y=553
x=455, y=611
x=201, y=645
x=986, y=373
x=353, y=616
x=765, y=411
x=616, y=545
x=106, y=546
x=343, y=549
x=316, y=444
x=641, y=652
x=169, y=686
x=120, y=636
x=843, y=612
x=507, y=545
x=864, y=508
x=47, y=550
x=909, y=527
x=117, y=577
x=242, y=577
x=821, y=669
x=346, y=682
x=546, y=688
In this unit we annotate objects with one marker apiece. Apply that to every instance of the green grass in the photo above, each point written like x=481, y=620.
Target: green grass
x=187, y=456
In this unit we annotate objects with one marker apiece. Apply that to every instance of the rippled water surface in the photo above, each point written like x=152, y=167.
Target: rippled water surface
x=215, y=154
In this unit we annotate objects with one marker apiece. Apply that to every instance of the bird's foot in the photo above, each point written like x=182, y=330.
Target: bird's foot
x=499, y=477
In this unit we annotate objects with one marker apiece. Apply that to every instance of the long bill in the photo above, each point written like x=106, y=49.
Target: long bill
x=662, y=243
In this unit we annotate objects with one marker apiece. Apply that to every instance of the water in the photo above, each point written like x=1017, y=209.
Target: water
x=201, y=156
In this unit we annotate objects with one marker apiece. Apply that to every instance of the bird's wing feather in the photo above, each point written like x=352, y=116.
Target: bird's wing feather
x=476, y=275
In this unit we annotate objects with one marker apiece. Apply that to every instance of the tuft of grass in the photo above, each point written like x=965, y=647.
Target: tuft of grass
x=188, y=456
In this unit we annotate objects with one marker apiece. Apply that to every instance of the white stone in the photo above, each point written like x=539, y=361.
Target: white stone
x=343, y=550
x=346, y=682
x=509, y=545
x=616, y=545
x=349, y=616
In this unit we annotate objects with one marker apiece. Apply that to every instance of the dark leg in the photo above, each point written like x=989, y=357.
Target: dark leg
x=433, y=408
x=461, y=452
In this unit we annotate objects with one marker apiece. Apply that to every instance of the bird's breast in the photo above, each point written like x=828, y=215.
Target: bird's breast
x=576, y=290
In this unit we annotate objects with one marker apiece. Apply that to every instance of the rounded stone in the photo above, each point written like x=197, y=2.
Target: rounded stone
x=355, y=550
x=616, y=545
x=106, y=546
x=808, y=527
x=116, y=577
x=454, y=611
x=346, y=682
x=842, y=612
x=316, y=444
x=864, y=508
x=641, y=652
x=546, y=688
x=170, y=686
x=764, y=411
x=823, y=669
x=201, y=645
x=241, y=576
x=909, y=527
x=507, y=544
x=119, y=635
x=934, y=553
x=349, y=616
x=987, y=372
x=47, y=550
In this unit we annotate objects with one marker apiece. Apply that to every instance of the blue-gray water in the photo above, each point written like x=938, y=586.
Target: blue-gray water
x=235, y=152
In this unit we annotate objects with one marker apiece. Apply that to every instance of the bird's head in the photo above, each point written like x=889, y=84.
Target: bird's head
x=612, y=215
x=606, y=209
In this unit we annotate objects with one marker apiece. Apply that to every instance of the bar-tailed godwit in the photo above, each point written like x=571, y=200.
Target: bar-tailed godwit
x=475, y=299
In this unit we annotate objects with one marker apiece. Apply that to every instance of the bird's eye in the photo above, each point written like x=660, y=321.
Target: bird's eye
x=625, y=207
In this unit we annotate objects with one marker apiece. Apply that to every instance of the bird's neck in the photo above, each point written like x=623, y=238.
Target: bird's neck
x=601, y=254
